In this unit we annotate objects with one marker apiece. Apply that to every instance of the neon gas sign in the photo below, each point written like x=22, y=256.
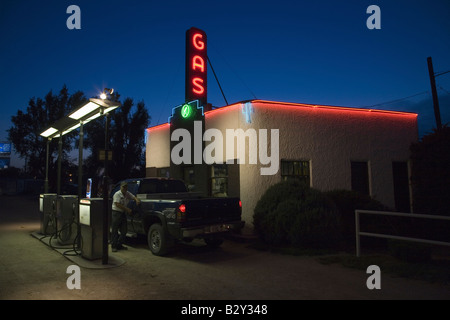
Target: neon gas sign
x=196, y=69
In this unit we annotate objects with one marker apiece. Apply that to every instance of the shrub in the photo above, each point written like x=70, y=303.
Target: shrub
x=292, y=213
x=347, y=202
x=430, y=173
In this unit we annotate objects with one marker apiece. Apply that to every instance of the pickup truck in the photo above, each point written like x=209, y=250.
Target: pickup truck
x=168, y=213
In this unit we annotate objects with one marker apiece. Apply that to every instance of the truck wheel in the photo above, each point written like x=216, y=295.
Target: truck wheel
x=157, y=240
x=213, y=242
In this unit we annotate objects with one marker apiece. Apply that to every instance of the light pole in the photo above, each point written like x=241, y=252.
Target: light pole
x=103, y=96
x=46, y=166
x=80, y=161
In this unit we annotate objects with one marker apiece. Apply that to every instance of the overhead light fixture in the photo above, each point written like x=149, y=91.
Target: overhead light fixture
x=86, y=109
x=95, y=116
x=72, y=128
x=110, y=109
x=93, y=109
x=49, y=132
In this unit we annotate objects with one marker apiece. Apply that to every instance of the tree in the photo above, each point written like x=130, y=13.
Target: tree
x=27, y=126
x=126, y=130
x=127, y=139
x=430, y=173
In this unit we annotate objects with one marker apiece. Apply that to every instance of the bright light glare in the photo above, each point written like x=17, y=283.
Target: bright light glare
x=95, y=116
x=71, y=129
x=110, y=109
x=103, y=96
x=49, y=132
x=88, y=108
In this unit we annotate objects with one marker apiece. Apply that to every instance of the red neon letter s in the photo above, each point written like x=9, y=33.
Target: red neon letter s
x=198, y=86
x=199, y=45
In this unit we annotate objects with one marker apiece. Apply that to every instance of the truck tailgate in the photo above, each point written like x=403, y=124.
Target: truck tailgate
x=170, y=196
x=211, y=211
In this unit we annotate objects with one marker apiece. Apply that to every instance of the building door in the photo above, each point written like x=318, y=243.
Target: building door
x=401, y=186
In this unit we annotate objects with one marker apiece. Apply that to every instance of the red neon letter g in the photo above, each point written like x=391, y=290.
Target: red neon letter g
x=198, y=44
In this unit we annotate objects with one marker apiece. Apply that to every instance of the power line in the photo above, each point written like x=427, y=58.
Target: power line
x=174, y=78
x=397, y=100
x=215, y=76
x=437, y=74
x=440, y=87
x=232, y=70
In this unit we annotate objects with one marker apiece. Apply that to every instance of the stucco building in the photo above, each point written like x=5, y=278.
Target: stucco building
x=243, y=148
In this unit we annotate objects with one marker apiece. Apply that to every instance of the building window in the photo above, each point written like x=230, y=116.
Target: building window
x=219, y=180
x=297, y=169
x=360, y=177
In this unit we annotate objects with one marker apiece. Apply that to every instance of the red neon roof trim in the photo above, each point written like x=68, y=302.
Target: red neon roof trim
x=291, y=104
x=231, y=106
x=314, y=106
x=333, y=107
x=159, y=126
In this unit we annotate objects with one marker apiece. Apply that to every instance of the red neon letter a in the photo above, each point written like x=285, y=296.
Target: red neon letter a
x=198, y=61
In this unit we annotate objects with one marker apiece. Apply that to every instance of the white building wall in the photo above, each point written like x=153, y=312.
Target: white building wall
x=157, y=152
x=329, y=137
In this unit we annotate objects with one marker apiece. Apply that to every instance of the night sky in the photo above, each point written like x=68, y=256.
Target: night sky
x=318, y=52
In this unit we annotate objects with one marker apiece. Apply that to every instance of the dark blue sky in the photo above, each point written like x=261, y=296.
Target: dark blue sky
x=318, y=52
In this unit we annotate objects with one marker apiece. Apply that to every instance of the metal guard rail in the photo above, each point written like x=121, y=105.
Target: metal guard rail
x=381, y=235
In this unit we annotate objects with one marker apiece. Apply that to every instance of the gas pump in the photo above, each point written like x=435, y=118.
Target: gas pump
x=47, y=213
x=67, y=213
x=91, y=223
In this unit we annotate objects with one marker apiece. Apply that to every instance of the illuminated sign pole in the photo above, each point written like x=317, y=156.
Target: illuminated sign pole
x=191, y=112
x=196, y=71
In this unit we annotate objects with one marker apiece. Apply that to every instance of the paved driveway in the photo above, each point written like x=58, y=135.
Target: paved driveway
x=32, y=270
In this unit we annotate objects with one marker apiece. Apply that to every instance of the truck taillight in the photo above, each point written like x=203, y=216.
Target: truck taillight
x=240, y=204
x=181, y=213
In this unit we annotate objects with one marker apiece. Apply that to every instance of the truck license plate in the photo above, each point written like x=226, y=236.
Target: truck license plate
x=215, y=228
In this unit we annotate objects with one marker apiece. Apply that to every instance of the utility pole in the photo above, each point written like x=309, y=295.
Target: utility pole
x=437, y=113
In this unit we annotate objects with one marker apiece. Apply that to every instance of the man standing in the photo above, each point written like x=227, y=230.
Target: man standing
x=119, y=219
